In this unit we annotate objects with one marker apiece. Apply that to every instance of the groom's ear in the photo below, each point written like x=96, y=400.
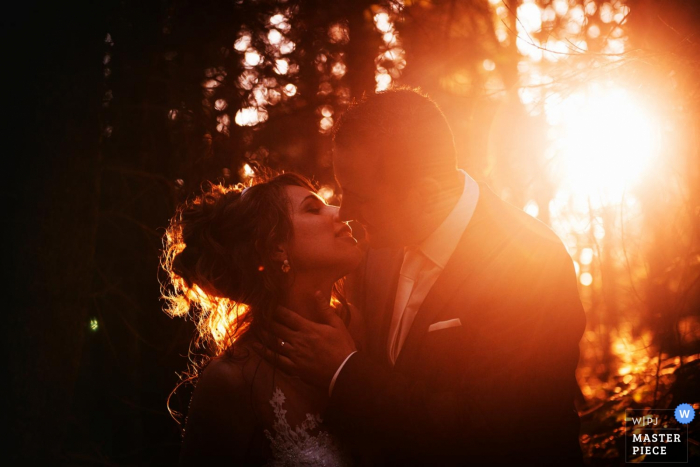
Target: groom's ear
x=425, y=194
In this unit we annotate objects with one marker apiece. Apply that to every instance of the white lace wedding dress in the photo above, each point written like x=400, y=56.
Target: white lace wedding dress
x=298, y=446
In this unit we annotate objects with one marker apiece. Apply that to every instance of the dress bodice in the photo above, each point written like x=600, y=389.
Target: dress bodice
x=304, y=445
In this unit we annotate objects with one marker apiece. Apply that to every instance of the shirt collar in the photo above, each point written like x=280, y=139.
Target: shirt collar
x=440, y=245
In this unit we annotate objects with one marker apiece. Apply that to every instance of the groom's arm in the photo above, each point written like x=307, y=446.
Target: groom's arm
x=515, y=387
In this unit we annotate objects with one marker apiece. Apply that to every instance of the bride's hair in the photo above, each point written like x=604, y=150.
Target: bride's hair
x=218, y=258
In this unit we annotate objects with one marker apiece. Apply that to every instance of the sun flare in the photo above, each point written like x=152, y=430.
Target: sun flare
x=604, y=141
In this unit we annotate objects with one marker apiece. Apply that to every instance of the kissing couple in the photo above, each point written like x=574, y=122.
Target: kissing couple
x=453, y=342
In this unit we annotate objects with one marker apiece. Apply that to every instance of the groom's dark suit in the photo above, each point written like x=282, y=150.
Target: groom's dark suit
x=497, y=389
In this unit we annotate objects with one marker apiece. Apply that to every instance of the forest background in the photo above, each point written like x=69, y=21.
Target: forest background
x=583, y=113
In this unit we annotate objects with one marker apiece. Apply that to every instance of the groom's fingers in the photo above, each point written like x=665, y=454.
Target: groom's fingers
x=281, y=332
x=277, y=360
x=274, y=342
x=290, y=319
x=285, y=349
x=323, y=308
x=271, y=338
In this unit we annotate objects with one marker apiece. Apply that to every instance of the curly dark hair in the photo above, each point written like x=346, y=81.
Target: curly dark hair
x=218, y=258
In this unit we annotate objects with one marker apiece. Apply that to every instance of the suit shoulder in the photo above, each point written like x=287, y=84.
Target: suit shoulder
x=521, y=227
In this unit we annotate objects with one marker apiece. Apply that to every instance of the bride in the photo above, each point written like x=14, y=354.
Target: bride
x=233, y=256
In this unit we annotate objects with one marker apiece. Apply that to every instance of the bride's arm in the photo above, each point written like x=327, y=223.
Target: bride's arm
x=220, y=423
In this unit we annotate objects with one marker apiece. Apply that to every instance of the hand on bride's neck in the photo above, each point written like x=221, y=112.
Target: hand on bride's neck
x=299, y=297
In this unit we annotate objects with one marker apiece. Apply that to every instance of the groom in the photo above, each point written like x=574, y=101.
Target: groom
x=471, y=307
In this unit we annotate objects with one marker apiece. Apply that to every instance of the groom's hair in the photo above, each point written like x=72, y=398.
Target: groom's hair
x=400, y=131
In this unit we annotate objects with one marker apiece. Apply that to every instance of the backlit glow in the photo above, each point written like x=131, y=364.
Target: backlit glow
x=391, y=59
x=250, y=116
x=242, y=43
x=605, y=141
x=274, y=36
x=586, y=279
x=281, y=66
x=326, y=192
x=248, y=171
x=252, y=58
x=532, y=208
x=586, y=256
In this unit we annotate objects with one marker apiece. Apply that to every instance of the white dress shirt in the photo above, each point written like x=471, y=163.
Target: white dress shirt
x=421, y=267
x=423, y=264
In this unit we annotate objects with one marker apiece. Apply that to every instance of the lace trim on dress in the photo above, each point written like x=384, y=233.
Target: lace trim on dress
x=298, y=447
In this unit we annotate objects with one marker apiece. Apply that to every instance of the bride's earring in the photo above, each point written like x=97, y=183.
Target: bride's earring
x=285, y=266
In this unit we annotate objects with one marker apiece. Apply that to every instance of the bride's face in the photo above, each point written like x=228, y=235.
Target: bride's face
x=321, y=242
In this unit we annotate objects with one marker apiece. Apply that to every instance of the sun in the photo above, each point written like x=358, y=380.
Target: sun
x=604, y=141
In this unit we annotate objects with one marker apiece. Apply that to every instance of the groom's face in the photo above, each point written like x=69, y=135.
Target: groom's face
x=372, y=200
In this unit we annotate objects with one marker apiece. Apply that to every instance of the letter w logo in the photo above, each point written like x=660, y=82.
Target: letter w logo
x=684, y=413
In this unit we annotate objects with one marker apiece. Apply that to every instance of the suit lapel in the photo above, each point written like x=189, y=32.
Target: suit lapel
x=477, y=245
x=383, y=266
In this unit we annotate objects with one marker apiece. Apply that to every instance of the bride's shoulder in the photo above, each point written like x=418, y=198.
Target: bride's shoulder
x=221, y=421
x=233, y=368
x=222, y=375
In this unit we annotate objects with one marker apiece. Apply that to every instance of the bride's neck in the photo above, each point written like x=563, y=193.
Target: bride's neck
x=299, y=297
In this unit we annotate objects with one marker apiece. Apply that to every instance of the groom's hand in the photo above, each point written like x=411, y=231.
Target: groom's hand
x=312, y=350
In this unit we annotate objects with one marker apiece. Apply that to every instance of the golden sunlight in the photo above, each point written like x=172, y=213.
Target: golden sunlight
x=250, y=116
x=248, y=171
x=604, y=141
x=223, y=320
